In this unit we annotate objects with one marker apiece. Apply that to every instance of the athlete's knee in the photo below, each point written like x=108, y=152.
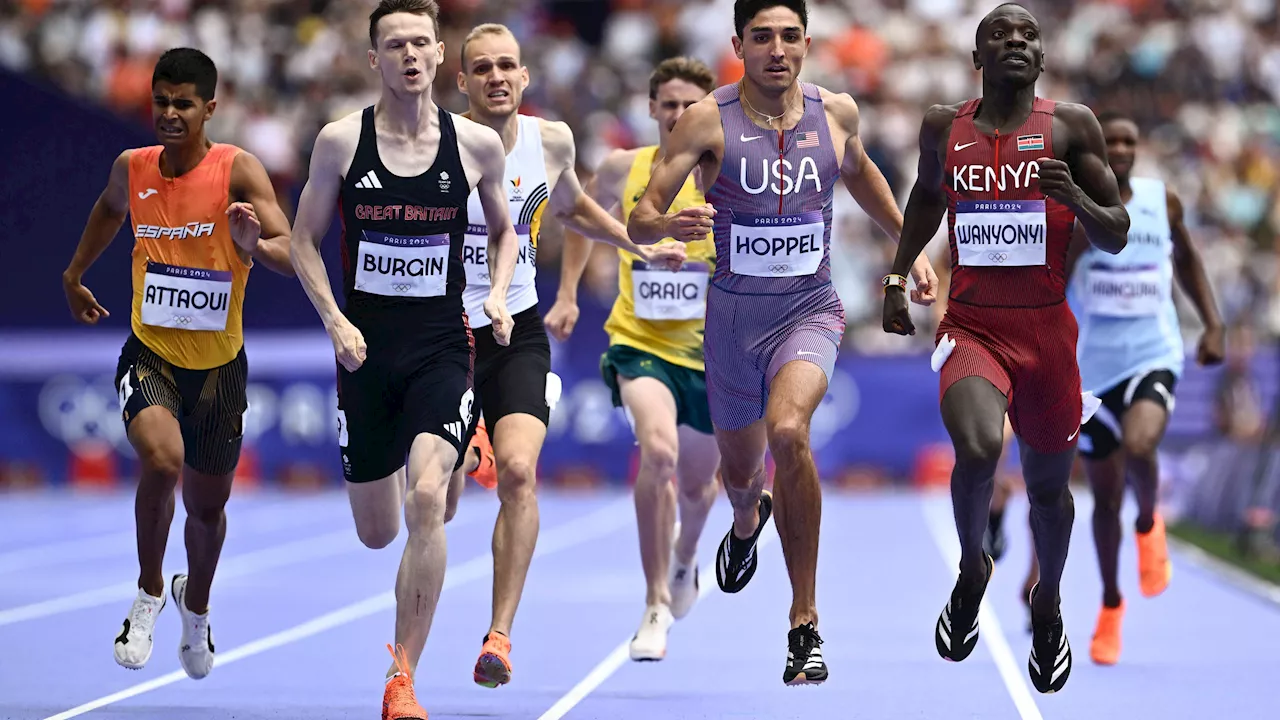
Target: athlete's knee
x=1050, y=494
x=1140, y=444
x=161, y=460
x=979, y=448
x=658, y=455
x=425, y=503
x=788, y=436
x=517, y=479
x=693, y=493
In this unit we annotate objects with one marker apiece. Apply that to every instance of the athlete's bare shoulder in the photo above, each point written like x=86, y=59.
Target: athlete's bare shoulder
x=700, y=126
x=1079, y=121
x=557, y=143
x=935, y=128
x=336, y=144
x=479, y=146
x=842, y=114
x=617, y=164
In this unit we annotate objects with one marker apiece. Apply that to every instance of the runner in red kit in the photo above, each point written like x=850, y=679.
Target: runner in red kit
x=1013, y=173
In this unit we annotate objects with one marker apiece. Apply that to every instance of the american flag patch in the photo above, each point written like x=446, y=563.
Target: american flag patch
x=807, y=139
x=1030, y=142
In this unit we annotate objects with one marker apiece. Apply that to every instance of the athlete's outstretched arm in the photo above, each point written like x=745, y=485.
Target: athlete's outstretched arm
x=696, y=134
x=584, y=215
x=925, y=209
x=258, y=225
x=605, y=187
x=1194, y=280
x=485, y=147
x=104, y=222
x=1085, y=182
x=315, y=208
x=869, y=188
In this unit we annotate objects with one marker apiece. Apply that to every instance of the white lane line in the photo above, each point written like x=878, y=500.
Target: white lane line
x=938, y=516
x=622, y=653
x=597, y=524
x=248, y=563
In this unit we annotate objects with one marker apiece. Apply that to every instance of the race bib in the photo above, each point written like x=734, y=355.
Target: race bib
x=1000, y=233
x=776, y=245
x=401, y=266
x=1126, y=292
x=475, y=256
x=185, y=298
x=666, y=295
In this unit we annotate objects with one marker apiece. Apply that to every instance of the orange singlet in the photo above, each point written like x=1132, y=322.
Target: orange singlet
x=188, y=274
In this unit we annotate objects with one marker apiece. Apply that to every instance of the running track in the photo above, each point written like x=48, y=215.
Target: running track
x=302, y=614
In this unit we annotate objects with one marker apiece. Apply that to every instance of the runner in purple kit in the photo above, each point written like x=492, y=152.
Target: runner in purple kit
x=771, y=149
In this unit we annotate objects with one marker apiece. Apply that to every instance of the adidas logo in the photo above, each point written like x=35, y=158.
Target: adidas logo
x=454, y=429
x=369, y=182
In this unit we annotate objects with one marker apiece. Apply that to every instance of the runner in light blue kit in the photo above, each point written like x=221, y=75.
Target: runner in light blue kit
x=1131, y=355
x=769, y=151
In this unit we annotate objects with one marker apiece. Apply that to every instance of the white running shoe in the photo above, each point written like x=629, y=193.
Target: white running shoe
x=133, y=646
x=650, y=641
x=196, y=651
x=683, y=582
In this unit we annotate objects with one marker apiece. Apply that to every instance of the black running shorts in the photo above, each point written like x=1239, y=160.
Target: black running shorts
x=415, y=379
x=1102, y=435
x=513, y=379
x=208, y=404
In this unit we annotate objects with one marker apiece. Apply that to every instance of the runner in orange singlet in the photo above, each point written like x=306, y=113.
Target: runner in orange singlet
x=202, y=213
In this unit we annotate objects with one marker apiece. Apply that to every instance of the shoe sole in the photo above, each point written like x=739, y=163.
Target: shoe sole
x=803, y=679
x=493, y=671
x=164, y=602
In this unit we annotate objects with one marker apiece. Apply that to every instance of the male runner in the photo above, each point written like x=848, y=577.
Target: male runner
x=401, y=171
x=200, y=211
x=1012, y=172
x=511, y=382
x=654, y=364
x=771, y=147
x=1131, y=356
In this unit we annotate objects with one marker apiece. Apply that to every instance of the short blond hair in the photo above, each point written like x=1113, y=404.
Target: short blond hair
x=480, y=31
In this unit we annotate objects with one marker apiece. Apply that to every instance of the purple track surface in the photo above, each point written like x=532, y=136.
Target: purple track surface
x=302, y=614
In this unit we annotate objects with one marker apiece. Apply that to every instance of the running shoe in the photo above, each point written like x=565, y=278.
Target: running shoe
x=650, y=641
x=1154, y=568
x=134, y=644
x=956, y=634
x=683, y=582
x=1050, y=661
x=493, y=667
x=736, y=561
x=196, y=651
x=1105, y=647
x=804, y=657
x=398, y=699
x=486, y=473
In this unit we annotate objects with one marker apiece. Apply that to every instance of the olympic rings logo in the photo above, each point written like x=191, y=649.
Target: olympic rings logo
x=401, y=287
x=998, y=257
x=183, y=319
x=780, y=268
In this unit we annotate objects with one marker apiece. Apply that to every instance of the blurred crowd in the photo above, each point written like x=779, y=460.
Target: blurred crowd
x=1202, y=78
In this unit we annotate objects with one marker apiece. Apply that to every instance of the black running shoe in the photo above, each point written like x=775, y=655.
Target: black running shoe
x=993, y=540
x=736, y=561
x=1050, y=661
x=804, y=657
x=956, y=634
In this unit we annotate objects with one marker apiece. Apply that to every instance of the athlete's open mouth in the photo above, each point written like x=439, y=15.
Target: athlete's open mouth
x=1015, y=58
x=171, y=130
x=499, y=95
x=412, y=72
x=776, y=69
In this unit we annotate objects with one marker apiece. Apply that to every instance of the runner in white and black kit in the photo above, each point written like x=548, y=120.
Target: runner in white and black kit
x=515, y=388
x=402, y=171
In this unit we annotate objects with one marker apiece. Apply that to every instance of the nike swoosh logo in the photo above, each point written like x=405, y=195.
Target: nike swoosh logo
x=805, y=352
x=744, y=138
x=149, y=192
x=958, y=147
x=1073, y=435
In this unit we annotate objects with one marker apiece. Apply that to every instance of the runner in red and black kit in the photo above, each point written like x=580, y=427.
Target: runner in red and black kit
x=1013, y=172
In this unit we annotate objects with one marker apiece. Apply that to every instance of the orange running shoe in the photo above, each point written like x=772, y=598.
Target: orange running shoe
x=493, y=668
x=398, y=700
x=486, y=473
x=1154, y=568
x=1105, y=648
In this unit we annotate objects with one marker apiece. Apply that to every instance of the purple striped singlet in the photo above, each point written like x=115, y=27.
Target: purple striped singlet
x=771, y=300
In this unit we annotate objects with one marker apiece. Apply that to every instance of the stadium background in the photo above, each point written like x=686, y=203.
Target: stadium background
x=1201, y=77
